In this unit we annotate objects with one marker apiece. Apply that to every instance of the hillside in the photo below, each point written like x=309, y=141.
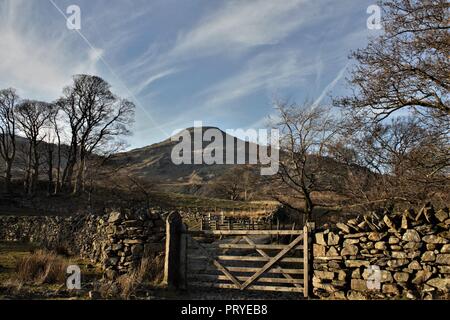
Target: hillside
x=153, y=164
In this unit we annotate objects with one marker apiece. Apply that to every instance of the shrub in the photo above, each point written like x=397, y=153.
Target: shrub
x=41, y=267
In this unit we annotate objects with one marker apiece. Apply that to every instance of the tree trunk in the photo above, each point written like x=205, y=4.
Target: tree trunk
x=58, y=170
x=8, y=175
x=27, y=181
x=78, y=186
x=309, y=206
x=50, y=170
x=35, y=176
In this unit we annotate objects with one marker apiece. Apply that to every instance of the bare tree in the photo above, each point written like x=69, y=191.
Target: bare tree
x=55, y=126
x=32, y=116
x=405, y=160
x=407, y=67
x=237, y=183
x=8, y=102
x=306, y=132
x=96, y=118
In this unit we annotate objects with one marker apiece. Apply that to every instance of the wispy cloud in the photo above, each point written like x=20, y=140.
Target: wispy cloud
x=37, y=69
x=240, y=25
x=267, y=71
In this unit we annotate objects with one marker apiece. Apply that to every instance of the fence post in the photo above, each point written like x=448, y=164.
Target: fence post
x=305, y=262
x=173, y=273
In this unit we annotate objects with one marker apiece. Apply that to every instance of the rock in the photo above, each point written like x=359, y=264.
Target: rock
x=399, y=255
x=133, y=241
x=390, y=288
x=413, y=245
x=444, y=269
x=318, y=250
x=320, y=239
x=443, y=258
x=356, y=295
x=332, y=252
x=431, y=247
x=405, y=223
x=380, y=245
x=356, y=263
x=342, y=275
x=343, y=227
x=410, y=295
x=333, y=239
x=411, y=236
x=442, y=215
x=445, y=248
x=401, y=276
x=389, y=223
x=324, y=275
x=422, y=276
x=115, y=217
x=350, y=250
x=348, y=242
x=415, y=265
x=397, y=263
x=395, y=247
x=428, y=256
x=358, y=285
x=445, y=235
x=394, y=240
x=434, y=239
x=356, y=274
x=376, y=236
x=442, y=284
x=386, y=276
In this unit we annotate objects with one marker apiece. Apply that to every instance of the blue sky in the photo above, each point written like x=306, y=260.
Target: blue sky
x=220, y=62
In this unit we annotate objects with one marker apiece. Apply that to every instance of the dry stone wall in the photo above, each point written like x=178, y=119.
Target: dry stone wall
x=116, y=241
x=403, y=255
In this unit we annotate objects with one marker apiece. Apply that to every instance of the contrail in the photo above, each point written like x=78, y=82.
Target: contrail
x=112, y=72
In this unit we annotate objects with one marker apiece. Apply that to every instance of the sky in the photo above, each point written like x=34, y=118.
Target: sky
x=220, y=62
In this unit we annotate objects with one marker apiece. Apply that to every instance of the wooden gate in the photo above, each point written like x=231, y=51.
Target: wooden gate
x=266, y=260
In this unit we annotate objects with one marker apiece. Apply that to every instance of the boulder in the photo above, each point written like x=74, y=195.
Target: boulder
x=411, y=236
x=428, y=256
x=434, y=239
x=318, y=250
x=422, y=276
x=358, y=285
x=399, y=255
x=350, y=250
x=333, y=239
x=320, y=239
x=380, y=245
x=443, y=258
x=442, y=215
x=343, y=227
x=401, y=276
x=115, y=217
x=356, y=263
x=442, y=284
x=390, y=288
